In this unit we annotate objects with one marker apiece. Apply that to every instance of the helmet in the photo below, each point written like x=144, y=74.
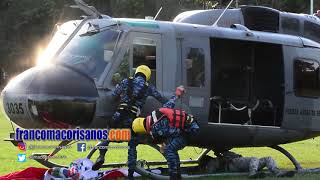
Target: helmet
x=138, y=125
x=145, y=70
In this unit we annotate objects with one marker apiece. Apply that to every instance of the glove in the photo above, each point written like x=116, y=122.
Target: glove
x=180, y=91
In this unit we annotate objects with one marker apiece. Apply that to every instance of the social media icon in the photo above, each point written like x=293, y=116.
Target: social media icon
x=22, y=157
x=81, y=147
x=22, y=146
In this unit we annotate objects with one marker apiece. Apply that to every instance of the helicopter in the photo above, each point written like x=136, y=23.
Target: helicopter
x=251, y=75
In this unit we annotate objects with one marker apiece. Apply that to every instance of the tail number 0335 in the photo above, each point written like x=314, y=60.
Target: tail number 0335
x=15, y=108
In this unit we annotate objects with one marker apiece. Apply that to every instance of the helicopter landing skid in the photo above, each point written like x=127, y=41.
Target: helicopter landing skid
x=148, y=174
x=289, y=156
x=296, y=164
x=44, y=158
x=150, y=163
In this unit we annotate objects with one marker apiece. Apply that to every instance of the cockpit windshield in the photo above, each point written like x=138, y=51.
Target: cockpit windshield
x=91, y=49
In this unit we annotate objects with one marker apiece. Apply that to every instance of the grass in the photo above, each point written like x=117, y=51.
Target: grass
x=306, y=152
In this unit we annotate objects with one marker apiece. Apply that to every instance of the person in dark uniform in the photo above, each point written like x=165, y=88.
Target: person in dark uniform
x=132, y=92
x=170, y=127
x=231, y=162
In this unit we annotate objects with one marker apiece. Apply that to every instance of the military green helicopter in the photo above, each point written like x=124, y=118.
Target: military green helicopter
x=251, y=75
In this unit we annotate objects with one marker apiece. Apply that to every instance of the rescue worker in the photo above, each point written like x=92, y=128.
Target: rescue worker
x=232, y=162
x=132, y=92
x=170, y=127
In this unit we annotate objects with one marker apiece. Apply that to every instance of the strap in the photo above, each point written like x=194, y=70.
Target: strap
x=154, y=116
x=181, y=119
x=132, y=98
x=141, y=93
x=174, y=121
x=126, y=107
x=130, y=90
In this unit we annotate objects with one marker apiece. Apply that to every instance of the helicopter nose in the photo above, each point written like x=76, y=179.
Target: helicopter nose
x=53, y=96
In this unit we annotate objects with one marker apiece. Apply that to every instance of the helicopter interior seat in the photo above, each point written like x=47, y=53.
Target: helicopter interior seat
x=248, y=78
x=268, y=85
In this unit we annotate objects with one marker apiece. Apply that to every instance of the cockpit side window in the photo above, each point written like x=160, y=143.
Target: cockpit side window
x=195, y=67
x=90, y=51
x=144, y=53
x=123, y=70
x=311, y=31
x=290, y=25
x=306, y=78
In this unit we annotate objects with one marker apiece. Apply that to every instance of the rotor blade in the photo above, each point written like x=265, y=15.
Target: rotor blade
x=89, y=10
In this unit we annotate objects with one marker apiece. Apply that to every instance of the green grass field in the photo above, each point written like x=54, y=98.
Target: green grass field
x=306, y=152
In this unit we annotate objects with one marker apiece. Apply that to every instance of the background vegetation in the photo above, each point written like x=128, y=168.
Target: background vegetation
x=27, y=25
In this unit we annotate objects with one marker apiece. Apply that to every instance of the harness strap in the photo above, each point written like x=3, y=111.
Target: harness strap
x=133, y=109
x=132, y=98
x=154, y=116
x=174, y=121
x=130, y=90
x=142, y=91
x=181, y=119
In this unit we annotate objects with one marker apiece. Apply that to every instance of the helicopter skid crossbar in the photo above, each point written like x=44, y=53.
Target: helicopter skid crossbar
x=45, y=162
x=154, y=163
x=296, y=164
x=49, y=164
x=145, y=173
x=289, y=156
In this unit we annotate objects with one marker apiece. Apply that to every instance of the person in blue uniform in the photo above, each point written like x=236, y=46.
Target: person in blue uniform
x=132, y=92
x=170, y=127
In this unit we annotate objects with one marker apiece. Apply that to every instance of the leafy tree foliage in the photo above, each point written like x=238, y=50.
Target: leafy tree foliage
x=26, y=24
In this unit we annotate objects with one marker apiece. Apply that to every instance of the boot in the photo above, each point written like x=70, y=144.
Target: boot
x=257, y=175
x=285, y=174
x=99, y=162
x=130, y=174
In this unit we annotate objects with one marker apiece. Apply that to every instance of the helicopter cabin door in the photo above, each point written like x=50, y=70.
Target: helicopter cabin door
x=196, y=76
x=141, y=49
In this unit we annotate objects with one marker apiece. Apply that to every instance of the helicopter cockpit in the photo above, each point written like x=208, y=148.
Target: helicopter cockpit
x=91, y=49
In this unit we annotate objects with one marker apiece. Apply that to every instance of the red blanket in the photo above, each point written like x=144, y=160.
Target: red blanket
x=30, y=173
x=33, y=173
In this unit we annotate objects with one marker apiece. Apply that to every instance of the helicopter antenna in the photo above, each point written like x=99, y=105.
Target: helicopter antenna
x=155, y=17
x=89, y=10
x=224, y=11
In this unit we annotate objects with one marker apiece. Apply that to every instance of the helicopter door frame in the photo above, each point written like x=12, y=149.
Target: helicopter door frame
x=127, y=50
x=197, y=82
x=151, y=103
x=157, y=38
x=302, y=109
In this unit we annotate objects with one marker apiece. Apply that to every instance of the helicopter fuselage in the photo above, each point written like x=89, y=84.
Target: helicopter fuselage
x=246, y=88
